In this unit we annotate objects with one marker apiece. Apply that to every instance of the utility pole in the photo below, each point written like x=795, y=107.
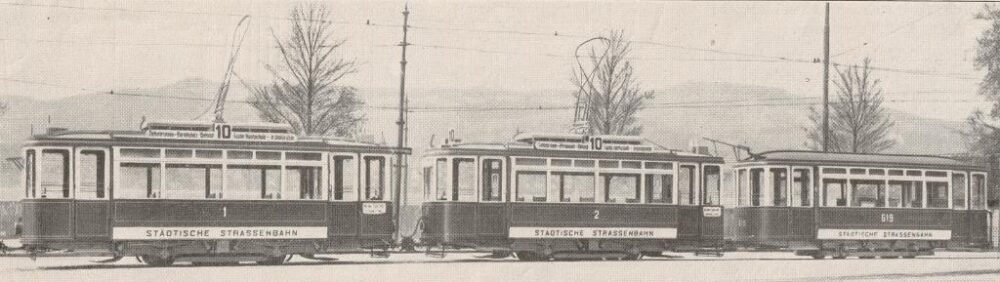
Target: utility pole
x=401, y=123
x=826, y=81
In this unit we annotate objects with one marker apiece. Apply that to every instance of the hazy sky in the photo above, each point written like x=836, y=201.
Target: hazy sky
x=61, y=48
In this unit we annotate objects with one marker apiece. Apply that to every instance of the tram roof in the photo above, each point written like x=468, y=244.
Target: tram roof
x=570, y=146
x=857, y=159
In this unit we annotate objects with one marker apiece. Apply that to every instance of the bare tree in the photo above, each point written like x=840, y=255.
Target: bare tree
x=609, y=90
x=306, y=92
x=983, y=132
x=858, y=122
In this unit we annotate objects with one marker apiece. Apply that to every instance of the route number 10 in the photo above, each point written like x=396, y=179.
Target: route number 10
x=223, y=131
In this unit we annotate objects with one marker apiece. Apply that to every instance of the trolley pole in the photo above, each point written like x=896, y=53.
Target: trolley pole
x=826, y=81
x=402, y=126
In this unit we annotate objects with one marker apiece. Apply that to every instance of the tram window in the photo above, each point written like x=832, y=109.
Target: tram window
x=937, y=194
x=742, y=198
x=687, y=187
x=53, y=174
x=959, y=187
x=427, y=182
x=660, y=188
x=268, y=155
x=835, y=170
x=531, y=186
x=779, y=187
x=896, y=172
x=530, y=161
x=463, y=179
x=272, y=183
x=876, y=171
x=139, y=181
x=621, y=188
x=574, y=187
x=801, y=185
x=247, y=182
x=91, y=175
x=913, y=173
x=239, y=155
x=208, y=154
x=29, y=174
x=140, y=153
x=442, y=179
x=867, y=193
x=713, y=185
x=562, y=162
x=857, y=171
x=905, y=194
x=977, y=193
x=374, y=178
x=756, y=186
x=631, y=164
x=659, y=165
x=583, y=163
x=191, y=181
x=296, y=156
x=178, y=154
x=607, y=164
x=834, y=194
x=303, y=182
x=492, y=179
x=344, y=178
x=934, y=173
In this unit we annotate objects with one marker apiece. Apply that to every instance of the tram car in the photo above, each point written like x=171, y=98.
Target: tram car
x=567, y=196
x=205, y=193
x=865, y=205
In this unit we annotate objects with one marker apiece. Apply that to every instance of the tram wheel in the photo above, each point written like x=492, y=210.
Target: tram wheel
x=528, y=256
x=153, y=260
x=273, y=260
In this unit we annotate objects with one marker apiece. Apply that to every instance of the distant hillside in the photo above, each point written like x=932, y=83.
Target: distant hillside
x=475, y=114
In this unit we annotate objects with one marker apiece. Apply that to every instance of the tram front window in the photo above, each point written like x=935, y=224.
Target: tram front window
x=374, y=178
x=834, y=194
x=779, y=186
x=713, y=185
x=660, y=188
x=443, y=192
x=867, y=193
x=977, y=194
x=53, y=174
x=464, y=179
x=937, y=194
x=687, y=186
x=621, y=188
x=801, y=185
x=492, y=179
x=958, y=184
x=530, y=186
x=574, y=187
x=29, y=174
x=139, y=181
x=756, y=183
x=344, y=178
x=90, y=175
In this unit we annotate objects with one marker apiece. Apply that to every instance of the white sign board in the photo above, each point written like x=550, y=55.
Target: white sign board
x=373, y=208
x=594, y=232
x=883, y=234
x=195, y=233
x=711, y=211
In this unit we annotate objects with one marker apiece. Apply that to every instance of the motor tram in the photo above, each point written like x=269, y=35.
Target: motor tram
x=205, y=192
x=866, y=205
x=567, y=196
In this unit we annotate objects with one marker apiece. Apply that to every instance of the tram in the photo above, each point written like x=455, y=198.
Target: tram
x=866, y=205
x=206, y=193
x=568, y=196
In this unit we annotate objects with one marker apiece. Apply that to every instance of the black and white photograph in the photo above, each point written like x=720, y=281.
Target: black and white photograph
x=460, y=140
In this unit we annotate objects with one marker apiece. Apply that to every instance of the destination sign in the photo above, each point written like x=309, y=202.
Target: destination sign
x=593, y=232
x=711, y=211
x=194, y=233
x=241, y=136
x=883, y=234
x=373, y=208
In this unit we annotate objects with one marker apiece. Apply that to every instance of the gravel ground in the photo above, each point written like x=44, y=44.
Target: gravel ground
x=465, y=267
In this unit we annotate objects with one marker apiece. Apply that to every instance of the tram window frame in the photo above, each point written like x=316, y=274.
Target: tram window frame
x=491, y=179
x=692, y=198
x=428, y=172
x=343, y=178
x=562, y=182
x=382, y=191
x=935, y=198
x=801, y=194
x=742, y=187
x=260, y=177
x=978, y=191
x=101, y=174
x=856, y=186
x=203, y=174
x=309, y=184
x=153, y=180
x=65, y=192
x=608, y=178
x=29, y=173
x=441, y=180
x=520, y=189
x=959, y=190
x=666, y=188
x=463, y=187
x=840, y=201
x=778, y=188
x=712, y=195
x=756, y=180
x=910, y=192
